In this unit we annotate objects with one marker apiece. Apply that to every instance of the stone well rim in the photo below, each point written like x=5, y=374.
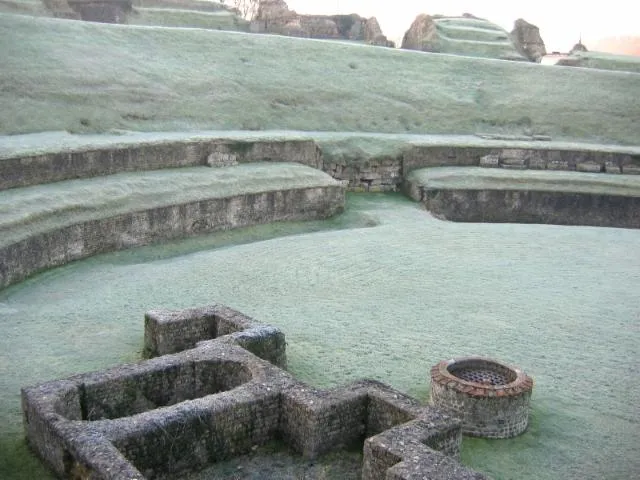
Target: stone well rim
x=441, y=375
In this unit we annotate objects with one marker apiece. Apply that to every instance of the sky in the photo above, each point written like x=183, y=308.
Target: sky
x=561, y=22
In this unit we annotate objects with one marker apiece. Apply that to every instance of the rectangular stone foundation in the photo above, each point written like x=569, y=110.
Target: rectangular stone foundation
x=216, y=399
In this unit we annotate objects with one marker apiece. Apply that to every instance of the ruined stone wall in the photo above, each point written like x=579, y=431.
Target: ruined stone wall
x=171, y=331
x=543, y=158
x=530, y=206
x=50, y=249
x=370, y=174
x=22, y=171
x=109, y=425
x=19, y=260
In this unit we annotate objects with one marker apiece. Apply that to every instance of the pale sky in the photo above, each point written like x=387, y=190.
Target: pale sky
x=560, y=21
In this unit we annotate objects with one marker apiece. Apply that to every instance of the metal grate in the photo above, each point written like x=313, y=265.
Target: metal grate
x=481, y=375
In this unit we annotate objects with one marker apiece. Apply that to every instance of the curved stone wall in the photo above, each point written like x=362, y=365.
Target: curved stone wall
x=23, y=258
x=518, y=206
x=378, y=173
x=470, y=194
x=25, y=170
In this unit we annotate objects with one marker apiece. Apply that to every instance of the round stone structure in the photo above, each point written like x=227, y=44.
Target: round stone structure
x=491, y=398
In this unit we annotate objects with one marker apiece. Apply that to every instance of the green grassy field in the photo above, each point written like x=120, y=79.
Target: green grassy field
x=87, y=78
x=384, y=302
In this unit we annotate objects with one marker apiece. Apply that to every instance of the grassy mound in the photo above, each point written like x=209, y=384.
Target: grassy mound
x=474, y=37
x=87, y=77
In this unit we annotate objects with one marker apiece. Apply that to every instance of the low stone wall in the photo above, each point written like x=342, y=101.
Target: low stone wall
x=54, y=248
x=384, y=173
x=530, y=206
x=543, y=158
x=219, y=400
x=373, y=175
x=172, y=331
x=22, y=171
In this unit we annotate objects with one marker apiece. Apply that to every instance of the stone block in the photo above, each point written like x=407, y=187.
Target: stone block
x=589, y=167
x=490, y=161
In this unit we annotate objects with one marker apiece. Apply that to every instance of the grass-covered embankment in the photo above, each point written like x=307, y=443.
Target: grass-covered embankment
x=86, y=77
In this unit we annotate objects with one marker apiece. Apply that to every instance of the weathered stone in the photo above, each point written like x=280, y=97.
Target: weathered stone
x=104, y=11
x=179, y=412
x=56, y=247
x=274, y=16
x=490, y=161
x=524, y=203
x=528, y=41
x=421, y=34
x=514, y=158
x=592, y=167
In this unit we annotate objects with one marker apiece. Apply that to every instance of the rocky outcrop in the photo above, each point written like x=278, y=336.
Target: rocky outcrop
x=373, y=34
x=274, y=16
x=421, y=34
x=528, y=41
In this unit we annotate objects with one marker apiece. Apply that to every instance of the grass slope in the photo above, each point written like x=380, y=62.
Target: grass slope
x=86, y=77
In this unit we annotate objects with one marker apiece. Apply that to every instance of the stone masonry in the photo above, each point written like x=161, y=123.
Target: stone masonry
x=384, y=173
x=216, y=399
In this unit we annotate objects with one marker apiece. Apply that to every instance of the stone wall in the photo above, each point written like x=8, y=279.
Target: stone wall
x=22, y=171
x=383, y=173
x=58, y=247
x=530, y=206
x=104, y=11
x=218, y=401
x=171, y=331
x=543, y=158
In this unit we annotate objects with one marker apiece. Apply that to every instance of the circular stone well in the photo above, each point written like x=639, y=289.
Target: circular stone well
x=491, y=398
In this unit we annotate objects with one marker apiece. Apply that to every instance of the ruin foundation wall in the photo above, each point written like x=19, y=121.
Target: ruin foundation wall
x=183, y=411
